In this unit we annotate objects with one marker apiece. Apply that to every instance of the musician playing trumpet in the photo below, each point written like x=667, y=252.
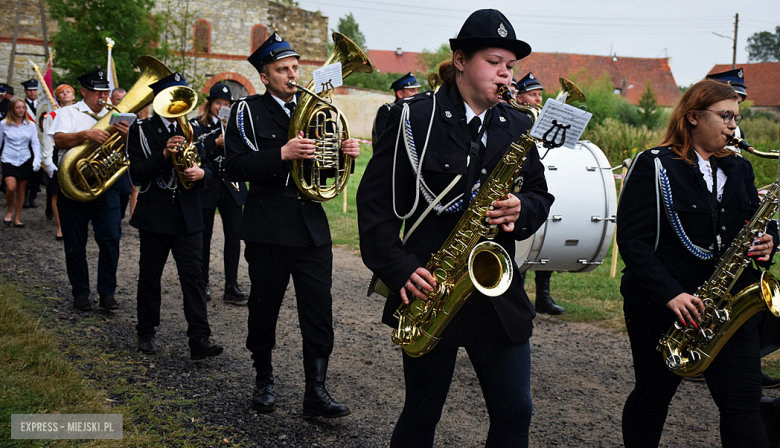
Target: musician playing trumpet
x=463, y=132
x=286, y=234
x=682, y=205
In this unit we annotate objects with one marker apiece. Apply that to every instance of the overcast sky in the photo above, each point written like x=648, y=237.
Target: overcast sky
x=680, y=29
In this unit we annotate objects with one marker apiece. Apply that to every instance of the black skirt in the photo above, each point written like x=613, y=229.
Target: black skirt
x=23, y=172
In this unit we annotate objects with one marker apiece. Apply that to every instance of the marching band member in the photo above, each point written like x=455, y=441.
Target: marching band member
x=285, y=233
x=736, y=79
x=34, y=182
x=71, y=127
x=529, y=91
x=403, y=87
x=221, y=193
x=65, y=96
x=169, y=219
x=713, y=196
x=464, y=113
x=18, y=135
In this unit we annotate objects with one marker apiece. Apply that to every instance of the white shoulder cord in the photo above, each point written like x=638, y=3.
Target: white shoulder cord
x=242, y=106
x=172, y=184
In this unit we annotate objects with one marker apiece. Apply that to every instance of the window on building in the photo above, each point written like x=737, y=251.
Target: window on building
x=259, y=35
x=201, y=40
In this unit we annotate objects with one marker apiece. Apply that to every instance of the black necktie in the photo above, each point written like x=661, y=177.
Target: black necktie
x=172, y=128
x=474, y=125
x=474, y=162
x=290, y=106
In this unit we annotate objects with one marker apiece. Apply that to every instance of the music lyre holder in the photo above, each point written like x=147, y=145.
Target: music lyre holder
x=551, y=143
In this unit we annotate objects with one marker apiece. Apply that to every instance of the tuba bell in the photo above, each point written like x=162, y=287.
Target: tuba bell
x=176, y=102
x=313, y=116
x=89, y=169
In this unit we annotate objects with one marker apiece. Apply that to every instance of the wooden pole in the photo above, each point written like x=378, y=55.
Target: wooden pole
x=13, y=45
x=344, y=204
x=613, y=267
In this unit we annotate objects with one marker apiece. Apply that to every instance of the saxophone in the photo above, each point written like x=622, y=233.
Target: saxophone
x=688, y=350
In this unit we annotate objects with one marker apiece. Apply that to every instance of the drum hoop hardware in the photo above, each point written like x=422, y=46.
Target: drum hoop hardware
x=586, y=262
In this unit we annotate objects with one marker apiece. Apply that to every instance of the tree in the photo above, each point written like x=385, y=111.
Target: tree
x=349, y=27
x=648, y=106
x=84, y=26
x=764, y=46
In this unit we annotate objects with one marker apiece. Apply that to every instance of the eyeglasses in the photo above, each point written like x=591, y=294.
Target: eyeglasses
x=727, y=116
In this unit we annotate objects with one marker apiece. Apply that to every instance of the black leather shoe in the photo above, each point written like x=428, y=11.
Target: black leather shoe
x=202, y=347
x=147, y=345
x=49, y=213
x=317, y=402
x=263, y=398
x=235, y=296
x=769, y=382
x=108, y=303
x=81, y=302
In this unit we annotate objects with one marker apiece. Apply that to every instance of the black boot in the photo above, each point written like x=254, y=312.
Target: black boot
x=316, y=400
x=234, y=295
x=545, y=303
x=263, y=398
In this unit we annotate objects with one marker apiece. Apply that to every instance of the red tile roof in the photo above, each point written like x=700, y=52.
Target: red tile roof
x=548, y=67
x=762, y=80
x=387, y=61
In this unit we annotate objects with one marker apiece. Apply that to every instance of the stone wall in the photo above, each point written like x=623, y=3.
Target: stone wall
x=359, y=107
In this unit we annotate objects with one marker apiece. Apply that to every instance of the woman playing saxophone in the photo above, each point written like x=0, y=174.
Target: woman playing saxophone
x=436, y=152
x=682, y=205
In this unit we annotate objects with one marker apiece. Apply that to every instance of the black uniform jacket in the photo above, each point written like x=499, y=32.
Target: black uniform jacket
x=380, y=122
x=220, y=181
x=653, y=277
x=504, y=319
x=272, y=214
x=160, y=210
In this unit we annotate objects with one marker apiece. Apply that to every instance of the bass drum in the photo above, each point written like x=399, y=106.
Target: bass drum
x=577, y=234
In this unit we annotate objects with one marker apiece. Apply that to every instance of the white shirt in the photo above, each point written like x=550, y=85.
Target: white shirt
x=282, y=103
x=18, y=140
x=706, y=169
x=167, y=123
x=470, y=114
x=74, y=118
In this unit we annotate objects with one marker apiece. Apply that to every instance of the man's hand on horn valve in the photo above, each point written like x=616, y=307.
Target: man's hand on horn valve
x=350, y=147
x=505, y=212
x=172, y=146
x=98, y=136
x=298, y=148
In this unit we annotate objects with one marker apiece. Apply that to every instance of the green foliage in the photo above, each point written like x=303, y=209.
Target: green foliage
x=349, y=27
x=84, y=26
x=373, y=80
x=432, y=58
x=764, y=46
x=619, y=140
x=648, y=106
x=601, y=100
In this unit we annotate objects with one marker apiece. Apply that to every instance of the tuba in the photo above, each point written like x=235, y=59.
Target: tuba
x=469, y=259
x=88, y=169
x=176, y=102
x=313, y=116
x=689, y=350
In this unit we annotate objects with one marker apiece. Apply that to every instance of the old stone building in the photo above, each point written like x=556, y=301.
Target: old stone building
x=223, y=34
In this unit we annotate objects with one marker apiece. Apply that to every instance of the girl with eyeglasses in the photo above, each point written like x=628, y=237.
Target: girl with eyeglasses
x=670, y=251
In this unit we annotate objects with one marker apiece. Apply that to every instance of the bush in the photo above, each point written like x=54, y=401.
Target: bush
x=621, y=141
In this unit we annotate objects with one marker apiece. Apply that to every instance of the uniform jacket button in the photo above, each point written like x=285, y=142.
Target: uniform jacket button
x=723, y=228
x=693, y=206
x=723, y=210
x=446, y=166
x=484, y=171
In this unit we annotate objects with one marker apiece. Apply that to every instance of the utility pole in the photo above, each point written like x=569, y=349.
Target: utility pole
x=736, y=26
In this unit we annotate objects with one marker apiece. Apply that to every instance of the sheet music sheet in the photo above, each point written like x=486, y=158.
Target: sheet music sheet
x=328, y=77
x=564, y=115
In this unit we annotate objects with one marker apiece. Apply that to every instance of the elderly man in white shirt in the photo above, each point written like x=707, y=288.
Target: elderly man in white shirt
x=73, y=126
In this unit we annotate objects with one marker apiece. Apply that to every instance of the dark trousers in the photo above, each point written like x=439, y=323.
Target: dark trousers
x=231, y=224
x=125, y=188
x=734, y=380
x=186, y=248
x=270, y=267
x=504, y=373
x=74, y=219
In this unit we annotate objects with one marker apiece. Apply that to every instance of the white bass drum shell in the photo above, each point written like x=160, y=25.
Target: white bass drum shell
x=578, y=232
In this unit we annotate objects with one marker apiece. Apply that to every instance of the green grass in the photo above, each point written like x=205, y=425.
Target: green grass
x=343, y=226
x=36, y=377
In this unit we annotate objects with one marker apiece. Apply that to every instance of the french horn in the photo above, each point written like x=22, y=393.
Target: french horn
x=175, y=103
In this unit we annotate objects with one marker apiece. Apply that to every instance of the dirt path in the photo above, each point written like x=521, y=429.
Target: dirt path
x=581, y=374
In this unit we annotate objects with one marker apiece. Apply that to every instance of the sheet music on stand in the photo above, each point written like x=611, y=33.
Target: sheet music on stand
x=328, y=77
x=560, y=123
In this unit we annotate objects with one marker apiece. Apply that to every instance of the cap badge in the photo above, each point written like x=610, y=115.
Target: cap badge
x=501, y=30
x=447, y=114
x=101, y=74
x=225, y=89
x=278, y=38
x=176, y=77
x=531, y=76
x=740, y=74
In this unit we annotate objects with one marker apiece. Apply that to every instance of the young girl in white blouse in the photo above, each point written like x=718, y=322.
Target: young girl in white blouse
x=21, y=157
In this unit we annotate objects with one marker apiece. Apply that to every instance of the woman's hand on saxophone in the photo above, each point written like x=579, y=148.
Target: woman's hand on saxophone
x=172, y=146
x=687, y=308
x=505, y=211
x=419, y=284
x=762, y=247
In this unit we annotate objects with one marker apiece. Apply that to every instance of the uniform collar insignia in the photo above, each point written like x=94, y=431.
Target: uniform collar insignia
x=654, y=151
x=448, y=114
x=502, y=119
